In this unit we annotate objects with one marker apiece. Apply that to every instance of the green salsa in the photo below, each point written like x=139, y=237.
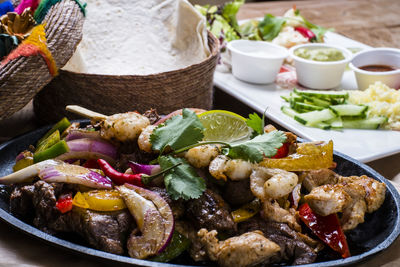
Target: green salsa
x=320, y=54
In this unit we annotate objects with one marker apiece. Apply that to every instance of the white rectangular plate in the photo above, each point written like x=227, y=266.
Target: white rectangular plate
x=363, y=145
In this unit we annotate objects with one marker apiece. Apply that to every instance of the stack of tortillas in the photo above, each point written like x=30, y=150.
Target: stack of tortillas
x=136, y=55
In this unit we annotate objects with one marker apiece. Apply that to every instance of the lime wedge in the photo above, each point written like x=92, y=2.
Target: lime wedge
x=222, y=125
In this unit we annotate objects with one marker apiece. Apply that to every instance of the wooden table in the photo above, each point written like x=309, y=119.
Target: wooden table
x=373, y=22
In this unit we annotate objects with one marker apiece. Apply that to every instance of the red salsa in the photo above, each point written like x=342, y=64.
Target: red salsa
x=377, y=68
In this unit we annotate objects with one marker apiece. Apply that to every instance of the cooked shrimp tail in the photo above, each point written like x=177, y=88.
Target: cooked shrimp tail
x=84, y=112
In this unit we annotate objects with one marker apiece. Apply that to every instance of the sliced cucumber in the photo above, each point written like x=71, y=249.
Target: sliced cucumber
x=329, y=94
x=303, y=107
x=286, y=98
x=335, y=123
x=323, y=126
x=288, y=111
x=370, y=123
x=349, y=109
x=314, y=117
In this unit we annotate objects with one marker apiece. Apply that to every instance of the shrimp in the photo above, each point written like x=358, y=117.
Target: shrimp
x=236, y=169
x=123, y=126
x=119, y=127
x=144, y=138
x=272, y=183
x=201, y=156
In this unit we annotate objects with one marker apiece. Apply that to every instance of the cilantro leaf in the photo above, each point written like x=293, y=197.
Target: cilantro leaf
x=178, y=132
x=270, y=27
x=256, y=123
x=256, y=149
x=182, y=181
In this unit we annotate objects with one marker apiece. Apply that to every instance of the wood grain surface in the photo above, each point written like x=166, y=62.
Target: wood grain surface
x=373, y=22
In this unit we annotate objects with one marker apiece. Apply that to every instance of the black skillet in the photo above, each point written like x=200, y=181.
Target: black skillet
x=376, y=234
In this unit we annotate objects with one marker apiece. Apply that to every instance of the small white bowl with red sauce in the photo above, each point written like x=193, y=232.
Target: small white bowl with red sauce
x=377, y=64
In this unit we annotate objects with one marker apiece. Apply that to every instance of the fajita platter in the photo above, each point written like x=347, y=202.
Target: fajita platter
x=363, y=145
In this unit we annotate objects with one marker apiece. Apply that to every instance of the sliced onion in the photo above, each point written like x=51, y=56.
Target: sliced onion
x=136, y=198
x=86, y=148
x=79, y=134
x=73, y=174
x=28, y=172
x=143, y=168
x=20, y=156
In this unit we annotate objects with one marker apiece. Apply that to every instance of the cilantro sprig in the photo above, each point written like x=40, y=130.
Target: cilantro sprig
x=182, y=181
x=182, y=133
x=178, y=132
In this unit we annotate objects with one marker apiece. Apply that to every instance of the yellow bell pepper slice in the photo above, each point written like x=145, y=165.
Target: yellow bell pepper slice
x=246, y=211
x=308, y=156
x=99, y=200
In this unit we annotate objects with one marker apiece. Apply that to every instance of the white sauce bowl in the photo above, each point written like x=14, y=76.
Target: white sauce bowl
x=256, y=61
x=320, y=74
x=377, y=56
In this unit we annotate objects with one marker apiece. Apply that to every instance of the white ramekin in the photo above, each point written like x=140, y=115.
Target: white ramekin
x=260, y=69
x=377, y=56
x=320, y=74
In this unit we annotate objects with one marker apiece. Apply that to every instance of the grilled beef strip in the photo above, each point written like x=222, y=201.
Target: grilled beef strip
x=35, y=203
x=210, y=211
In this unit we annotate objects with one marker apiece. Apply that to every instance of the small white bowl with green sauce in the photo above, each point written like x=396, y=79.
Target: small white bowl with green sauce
x=320, y=66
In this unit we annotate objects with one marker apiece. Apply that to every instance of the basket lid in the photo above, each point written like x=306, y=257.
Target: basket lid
x=36, y=60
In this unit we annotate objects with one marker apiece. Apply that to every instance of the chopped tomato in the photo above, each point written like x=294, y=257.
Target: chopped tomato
x=64, y=203
x=327, y=228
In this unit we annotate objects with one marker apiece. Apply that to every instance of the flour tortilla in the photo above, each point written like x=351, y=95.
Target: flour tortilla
x=128, y=37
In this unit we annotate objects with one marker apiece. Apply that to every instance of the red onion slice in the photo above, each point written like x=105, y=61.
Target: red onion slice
x=143, y=168
x=86, y=148
x=79, y=134
x=134, y=197
x=73, y=174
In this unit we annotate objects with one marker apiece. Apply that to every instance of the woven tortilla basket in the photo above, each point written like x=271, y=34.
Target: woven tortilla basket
x=109, y=94
x=22, y=78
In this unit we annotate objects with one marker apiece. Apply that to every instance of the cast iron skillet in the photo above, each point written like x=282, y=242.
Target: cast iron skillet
x=377, y=233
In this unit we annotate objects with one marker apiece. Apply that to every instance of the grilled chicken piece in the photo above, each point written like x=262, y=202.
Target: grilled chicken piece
x=312, y=179
x=245, y=250
x=273, y=212
x=374, y=190
x=328, y=199
x=354, y=196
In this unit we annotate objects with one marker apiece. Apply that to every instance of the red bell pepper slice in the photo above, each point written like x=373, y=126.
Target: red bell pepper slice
x=64, y=203
x=282, y=152
x=327, y=228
